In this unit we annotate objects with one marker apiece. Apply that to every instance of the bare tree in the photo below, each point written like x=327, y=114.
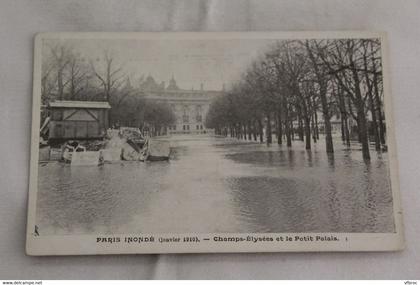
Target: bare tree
x=296, y=79
x=110, y=77
x=292, y=66
x=322, y=78
x=48, y=80
x=343, y=58
x=61, y=56
x=78, y=74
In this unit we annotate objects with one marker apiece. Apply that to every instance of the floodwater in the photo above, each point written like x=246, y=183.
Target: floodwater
x=218, y=185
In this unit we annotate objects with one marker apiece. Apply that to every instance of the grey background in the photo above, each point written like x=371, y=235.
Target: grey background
x=20, y=20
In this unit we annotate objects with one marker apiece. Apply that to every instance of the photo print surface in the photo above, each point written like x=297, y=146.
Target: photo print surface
x=212, y=135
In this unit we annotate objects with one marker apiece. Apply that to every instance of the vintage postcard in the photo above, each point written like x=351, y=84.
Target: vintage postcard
x=212, y=142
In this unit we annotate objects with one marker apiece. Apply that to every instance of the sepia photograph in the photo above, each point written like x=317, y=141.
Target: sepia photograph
x=206, y=139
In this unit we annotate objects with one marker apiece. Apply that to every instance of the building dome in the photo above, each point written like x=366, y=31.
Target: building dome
x=150, y=84
x=172, y=84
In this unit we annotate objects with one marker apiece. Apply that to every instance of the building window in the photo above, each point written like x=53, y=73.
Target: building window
x=183, y=127
x=185, y=111
x=199, y=111
x=201, y=127
x=174, y=127
x=197, y=127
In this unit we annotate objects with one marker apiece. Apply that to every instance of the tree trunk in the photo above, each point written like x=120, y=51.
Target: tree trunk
x=287, y=124
x=352, y=115
x=324, y=103
x=371, y=105
x=292, y=130
x=344, y=119
x=72, y=83
x=60, y=84
x=268, y=130
x=379, y=110
x=313, y=127
x=307, y=123
x=260, y=126
x=347, y=131
x=288, y=134
x=300, y=125
x=361, y=118
x=362, y=126
x=374, y=122
x=254, y=131
x=279, y=129
x=328, y=136
x=377, y=99
x=316, y=126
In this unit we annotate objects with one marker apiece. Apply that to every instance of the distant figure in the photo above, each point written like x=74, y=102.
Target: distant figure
x=36, y=231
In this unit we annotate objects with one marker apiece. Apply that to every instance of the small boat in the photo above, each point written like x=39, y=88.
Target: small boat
x=156, y=150
x=77, y=155
x=86, y=158
x=70, y=148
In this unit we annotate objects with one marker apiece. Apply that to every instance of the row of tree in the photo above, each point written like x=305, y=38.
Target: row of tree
x=131, y=108
x=67, y=75
x=294, y=81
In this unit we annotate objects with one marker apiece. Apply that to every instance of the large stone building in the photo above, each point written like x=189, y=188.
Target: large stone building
x=189, y=106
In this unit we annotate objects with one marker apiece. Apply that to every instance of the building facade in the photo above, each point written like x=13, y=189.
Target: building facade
x=189, y=106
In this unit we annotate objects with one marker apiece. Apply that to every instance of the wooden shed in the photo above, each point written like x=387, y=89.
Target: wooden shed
x=77, y=119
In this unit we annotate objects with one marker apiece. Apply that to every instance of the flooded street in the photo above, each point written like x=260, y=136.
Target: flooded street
x=219, y=185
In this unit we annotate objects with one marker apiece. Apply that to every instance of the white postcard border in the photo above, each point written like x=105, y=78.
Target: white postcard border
x=89, y=244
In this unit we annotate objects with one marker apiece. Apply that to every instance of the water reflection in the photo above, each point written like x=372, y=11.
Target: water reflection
x=331, y=160
x=219, y=185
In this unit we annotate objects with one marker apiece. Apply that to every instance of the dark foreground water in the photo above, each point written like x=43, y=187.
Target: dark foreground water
x=220, y=185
